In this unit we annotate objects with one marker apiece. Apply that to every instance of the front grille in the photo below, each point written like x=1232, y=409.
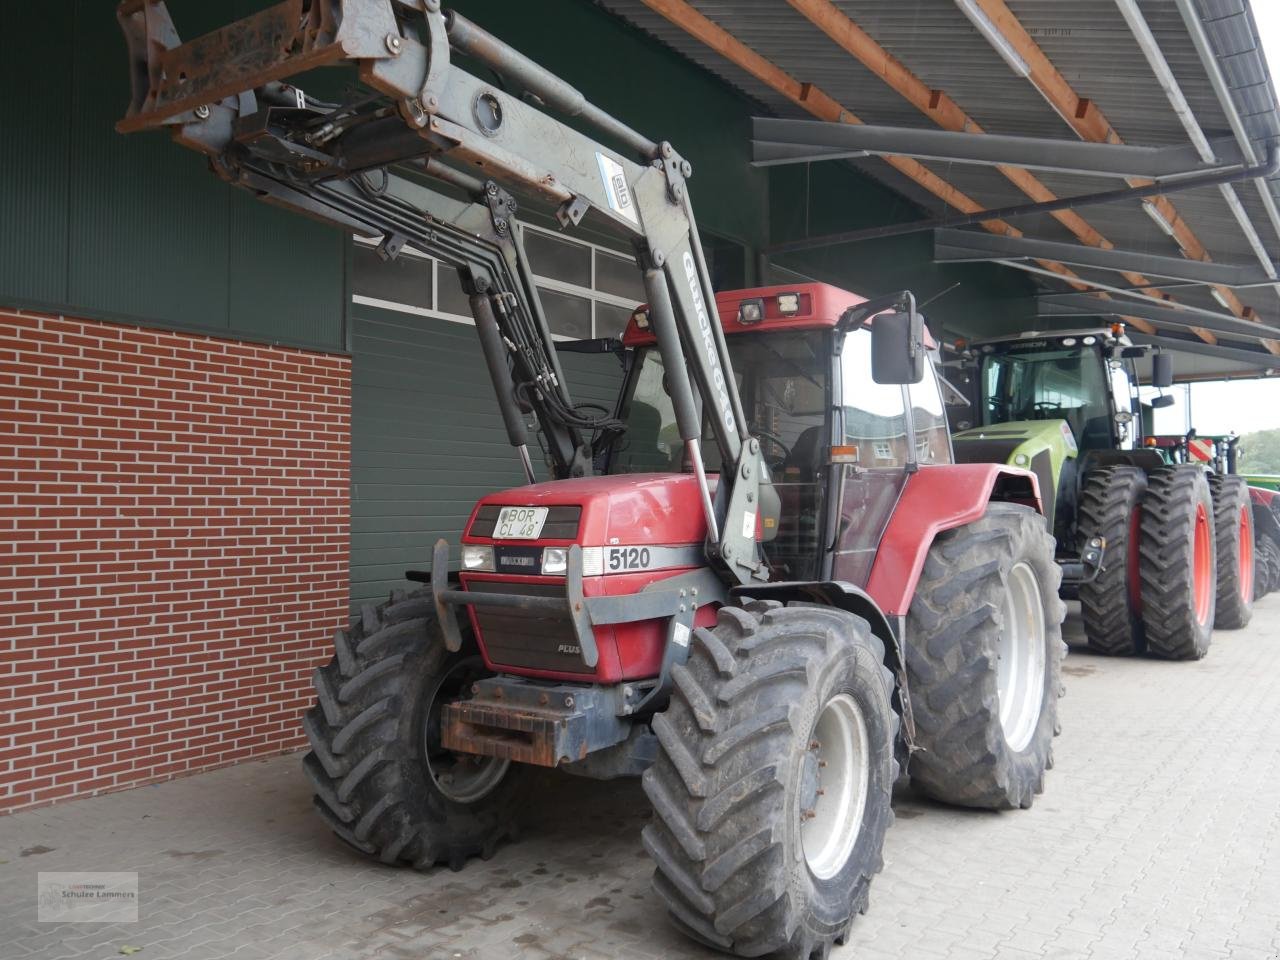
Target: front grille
x=516, y=638
x=562, y=522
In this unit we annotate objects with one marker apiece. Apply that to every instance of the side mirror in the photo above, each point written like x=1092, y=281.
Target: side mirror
x=1165, y=400
x=897, y=348
x=1161, y=370
x=1130, y=353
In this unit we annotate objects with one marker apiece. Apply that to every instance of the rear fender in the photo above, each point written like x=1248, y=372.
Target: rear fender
x=938, y=497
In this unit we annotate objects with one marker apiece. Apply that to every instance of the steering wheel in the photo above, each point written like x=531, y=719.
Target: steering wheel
x=776, y=442
x=1044, y=409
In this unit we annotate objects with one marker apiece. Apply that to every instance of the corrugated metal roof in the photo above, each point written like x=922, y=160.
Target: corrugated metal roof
x=1090, y=44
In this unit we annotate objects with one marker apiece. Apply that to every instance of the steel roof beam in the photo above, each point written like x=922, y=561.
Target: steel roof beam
x=1188, y=318
x=956, y=246
x=1264, y=361
x=1037, y=153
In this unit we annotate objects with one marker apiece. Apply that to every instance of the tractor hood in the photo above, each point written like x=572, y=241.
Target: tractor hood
x=1041, y=446
x=638, y=508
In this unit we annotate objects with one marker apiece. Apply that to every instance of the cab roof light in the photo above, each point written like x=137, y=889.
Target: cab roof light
x=751, y=311
x=788, y=304
x=641, y=317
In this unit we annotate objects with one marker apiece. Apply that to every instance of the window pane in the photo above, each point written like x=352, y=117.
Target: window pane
x=406, y=279
x=874, y=419
x=451, y=298
x=611, y=320
x=619, y=277
x=558, y=259
x=930, y=419
x=567, y=316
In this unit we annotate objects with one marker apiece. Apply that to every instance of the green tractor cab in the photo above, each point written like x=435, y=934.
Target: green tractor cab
x=1136, y=534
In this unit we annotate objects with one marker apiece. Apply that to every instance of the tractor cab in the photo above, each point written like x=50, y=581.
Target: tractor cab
x=826, y=427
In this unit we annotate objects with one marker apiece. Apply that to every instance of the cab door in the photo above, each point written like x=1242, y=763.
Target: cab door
x=876, y=453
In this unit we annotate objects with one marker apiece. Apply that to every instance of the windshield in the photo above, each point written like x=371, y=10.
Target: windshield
x=1049, y=384
x=782, y=379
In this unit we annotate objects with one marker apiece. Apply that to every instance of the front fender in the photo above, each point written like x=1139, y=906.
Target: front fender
x=939, y=497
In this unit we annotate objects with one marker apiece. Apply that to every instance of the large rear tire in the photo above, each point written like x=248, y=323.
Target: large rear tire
x=771, y=789
x=1178, y=563
x=984, y=655
x=1111, y=603
x=1268, y=565
x=1233, y=533
x=382, y=781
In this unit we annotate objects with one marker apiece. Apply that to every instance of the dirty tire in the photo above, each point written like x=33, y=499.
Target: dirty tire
x=1177, y=619
x=1110, y=605
x=1267, y=552
x=954, y=631
x=372, y=781
x=1233, y=534
x=734, y=768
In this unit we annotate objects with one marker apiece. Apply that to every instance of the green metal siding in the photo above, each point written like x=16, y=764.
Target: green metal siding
x=427, y=440
x=136, y=228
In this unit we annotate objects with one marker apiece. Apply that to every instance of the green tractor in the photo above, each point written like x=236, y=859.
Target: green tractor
x=1157, y=553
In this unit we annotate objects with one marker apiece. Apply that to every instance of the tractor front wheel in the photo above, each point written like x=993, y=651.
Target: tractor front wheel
x=382, y=780
x=984, y=655
x=1233, y=531
x=1179, y=563
x=772, y=784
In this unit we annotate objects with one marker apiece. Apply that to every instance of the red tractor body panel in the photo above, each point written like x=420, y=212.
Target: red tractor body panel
x=937, y=497
x=647, y=510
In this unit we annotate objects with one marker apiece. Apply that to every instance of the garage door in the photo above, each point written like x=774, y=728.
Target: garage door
x=427, y=440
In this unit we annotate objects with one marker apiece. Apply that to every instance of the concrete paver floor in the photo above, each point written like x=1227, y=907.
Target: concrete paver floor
x=1158, y=837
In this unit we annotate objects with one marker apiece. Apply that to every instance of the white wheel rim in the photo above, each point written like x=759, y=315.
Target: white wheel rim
x=1021, y=667
x=830, y=829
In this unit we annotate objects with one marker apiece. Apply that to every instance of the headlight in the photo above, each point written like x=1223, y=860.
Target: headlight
x=477, y=557
x=555, y=560
x=1021, y=459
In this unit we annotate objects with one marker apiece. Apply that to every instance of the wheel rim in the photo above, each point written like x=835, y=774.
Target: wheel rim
x=461, y=777
x=1246, y=554
x=841, y=758
x=1021, y=667
x=1202, y=566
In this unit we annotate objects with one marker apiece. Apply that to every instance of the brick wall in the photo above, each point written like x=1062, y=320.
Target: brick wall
x=173, y=550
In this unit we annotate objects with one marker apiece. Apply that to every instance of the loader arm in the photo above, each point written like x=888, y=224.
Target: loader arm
x=460, y=144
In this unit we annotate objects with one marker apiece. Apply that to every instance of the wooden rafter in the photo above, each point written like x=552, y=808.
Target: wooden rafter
x=1089, y=123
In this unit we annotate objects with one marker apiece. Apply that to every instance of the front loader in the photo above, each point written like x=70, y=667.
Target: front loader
x=764, y=626
x=1158, y=552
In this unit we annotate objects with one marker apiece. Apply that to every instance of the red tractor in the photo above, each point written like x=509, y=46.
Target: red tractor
x=767, y=628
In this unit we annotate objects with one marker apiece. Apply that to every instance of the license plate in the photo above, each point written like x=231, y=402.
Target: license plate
x=519, y=523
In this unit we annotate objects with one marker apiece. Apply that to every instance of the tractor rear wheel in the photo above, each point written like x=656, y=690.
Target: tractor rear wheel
x=1233, y=531
x=382, y=781
x=984, y=655
x=772, y=784
x=1178, y=563
x=1111, y=603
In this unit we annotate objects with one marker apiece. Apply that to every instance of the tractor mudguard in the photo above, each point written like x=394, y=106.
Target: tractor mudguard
x=1041, y=446
x=1265, y=519
x=938, y=497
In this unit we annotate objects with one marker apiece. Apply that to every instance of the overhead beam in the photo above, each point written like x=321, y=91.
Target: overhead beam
x=817, y=102
x=958, y=246
x=1040, y=153
x=1184, y=317
x=1264, y=361
x=1090, y=123
x=768, y=154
